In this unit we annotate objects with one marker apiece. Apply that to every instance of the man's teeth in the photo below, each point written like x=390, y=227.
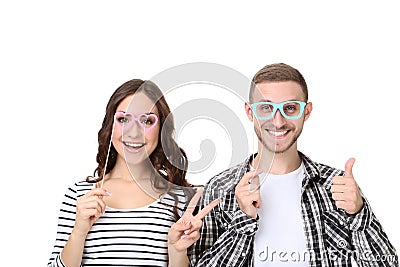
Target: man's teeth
x=277, y=133
x=134, y=145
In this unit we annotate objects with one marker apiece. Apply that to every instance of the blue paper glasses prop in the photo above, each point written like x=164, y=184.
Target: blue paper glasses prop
x=291, y=110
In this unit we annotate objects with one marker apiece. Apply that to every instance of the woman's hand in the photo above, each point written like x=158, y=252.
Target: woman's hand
x=89, y=207
x=185, y=231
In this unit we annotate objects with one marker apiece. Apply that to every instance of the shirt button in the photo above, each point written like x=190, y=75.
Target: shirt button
x=244, y=254
x=225, y=225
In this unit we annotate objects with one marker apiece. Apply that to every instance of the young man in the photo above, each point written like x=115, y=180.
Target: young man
x=278, y=207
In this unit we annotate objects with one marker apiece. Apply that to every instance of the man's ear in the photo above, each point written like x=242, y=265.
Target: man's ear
x=249, y=111
x=307, y=110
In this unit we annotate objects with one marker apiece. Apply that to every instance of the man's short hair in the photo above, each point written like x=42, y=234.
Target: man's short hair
x=278, y=72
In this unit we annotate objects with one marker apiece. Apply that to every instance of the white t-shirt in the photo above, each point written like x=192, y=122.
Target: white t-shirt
x=280, y=238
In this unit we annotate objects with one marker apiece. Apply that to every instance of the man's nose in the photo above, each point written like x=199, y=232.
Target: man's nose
x=279, y=120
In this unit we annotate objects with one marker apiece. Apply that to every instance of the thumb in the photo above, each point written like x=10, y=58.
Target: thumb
x=348, y=168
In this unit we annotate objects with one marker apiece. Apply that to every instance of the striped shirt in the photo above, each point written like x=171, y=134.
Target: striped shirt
x=120, y=237
x=332, y=236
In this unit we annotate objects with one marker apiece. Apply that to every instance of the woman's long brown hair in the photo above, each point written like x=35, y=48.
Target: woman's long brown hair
x=168, y=159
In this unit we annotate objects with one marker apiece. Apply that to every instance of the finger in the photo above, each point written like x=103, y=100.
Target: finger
x=88, y=213
x=254, y=184
x=338, y=196
x=340, y=204
x=248, y=176
x=348, y=169
x=89, y=199
x=195, y=226
x=256, y=199
x=193, y=202
x=204, y=211
x=181, y=226
x=98, y=192
x=91, y=205
x=338, y=188
x=195, y=235
x=247, y=198
x=339, y=180
x=94, y=199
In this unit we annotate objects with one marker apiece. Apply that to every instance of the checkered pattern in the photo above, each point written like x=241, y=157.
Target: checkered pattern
x=332, y=236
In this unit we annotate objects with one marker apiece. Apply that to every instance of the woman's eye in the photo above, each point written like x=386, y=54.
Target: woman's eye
x=148, y=122
x=123, y=120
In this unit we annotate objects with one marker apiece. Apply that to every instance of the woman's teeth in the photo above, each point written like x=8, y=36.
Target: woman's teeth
x=134, y=145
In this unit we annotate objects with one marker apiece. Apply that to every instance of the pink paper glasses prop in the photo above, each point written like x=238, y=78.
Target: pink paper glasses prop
x=126, y=119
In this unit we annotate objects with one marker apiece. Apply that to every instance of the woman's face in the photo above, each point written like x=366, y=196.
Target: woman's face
x=136, y=128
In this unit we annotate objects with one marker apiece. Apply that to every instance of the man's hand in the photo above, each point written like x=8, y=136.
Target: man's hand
x=345, y=190
x=247, y=193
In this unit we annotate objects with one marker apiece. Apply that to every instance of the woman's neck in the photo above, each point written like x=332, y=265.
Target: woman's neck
x=133, y=178
x=137, y=173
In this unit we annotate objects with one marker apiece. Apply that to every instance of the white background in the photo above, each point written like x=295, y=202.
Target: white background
x=61, y=61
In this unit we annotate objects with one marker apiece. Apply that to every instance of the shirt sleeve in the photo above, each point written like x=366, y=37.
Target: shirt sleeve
x=65, y=225
x=370, y=243
x=226, y=236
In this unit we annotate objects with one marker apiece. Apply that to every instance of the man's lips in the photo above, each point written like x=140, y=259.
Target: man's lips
x=279, y=134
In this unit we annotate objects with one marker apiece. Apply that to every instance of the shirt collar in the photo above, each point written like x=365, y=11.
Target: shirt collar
x=311, y=167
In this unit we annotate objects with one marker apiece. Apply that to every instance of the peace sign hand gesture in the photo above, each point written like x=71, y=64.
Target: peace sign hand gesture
x=185, y=231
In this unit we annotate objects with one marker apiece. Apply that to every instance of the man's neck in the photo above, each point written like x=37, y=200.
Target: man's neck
x=277, y=163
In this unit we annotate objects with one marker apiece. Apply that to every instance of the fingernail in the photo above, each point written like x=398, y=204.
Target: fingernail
x=187, y=223
x=183, y=237
x=187, y=232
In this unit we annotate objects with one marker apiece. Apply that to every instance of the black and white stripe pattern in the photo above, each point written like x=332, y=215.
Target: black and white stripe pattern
x=129, y=237
x=332, y=236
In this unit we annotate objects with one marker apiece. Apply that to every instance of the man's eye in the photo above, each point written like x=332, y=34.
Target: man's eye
x=266, y=107
x=291, y=108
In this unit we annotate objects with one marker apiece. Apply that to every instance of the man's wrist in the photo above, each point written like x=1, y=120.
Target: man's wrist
x=244, y=223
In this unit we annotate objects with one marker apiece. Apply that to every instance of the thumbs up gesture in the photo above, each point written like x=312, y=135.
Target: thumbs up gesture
x=345, y=190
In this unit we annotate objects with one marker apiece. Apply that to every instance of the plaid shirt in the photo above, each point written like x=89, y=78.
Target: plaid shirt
x=332, y=236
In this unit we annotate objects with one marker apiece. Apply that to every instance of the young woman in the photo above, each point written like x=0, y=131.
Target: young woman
x=133, y=212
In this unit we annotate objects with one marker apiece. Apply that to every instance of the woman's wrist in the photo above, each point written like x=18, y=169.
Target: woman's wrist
x=76, y=234
x=177, y=257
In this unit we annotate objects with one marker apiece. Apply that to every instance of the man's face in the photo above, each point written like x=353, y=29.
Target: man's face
x=278, y=134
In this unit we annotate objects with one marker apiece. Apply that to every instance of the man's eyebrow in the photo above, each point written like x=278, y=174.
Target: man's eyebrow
x=267, y=100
